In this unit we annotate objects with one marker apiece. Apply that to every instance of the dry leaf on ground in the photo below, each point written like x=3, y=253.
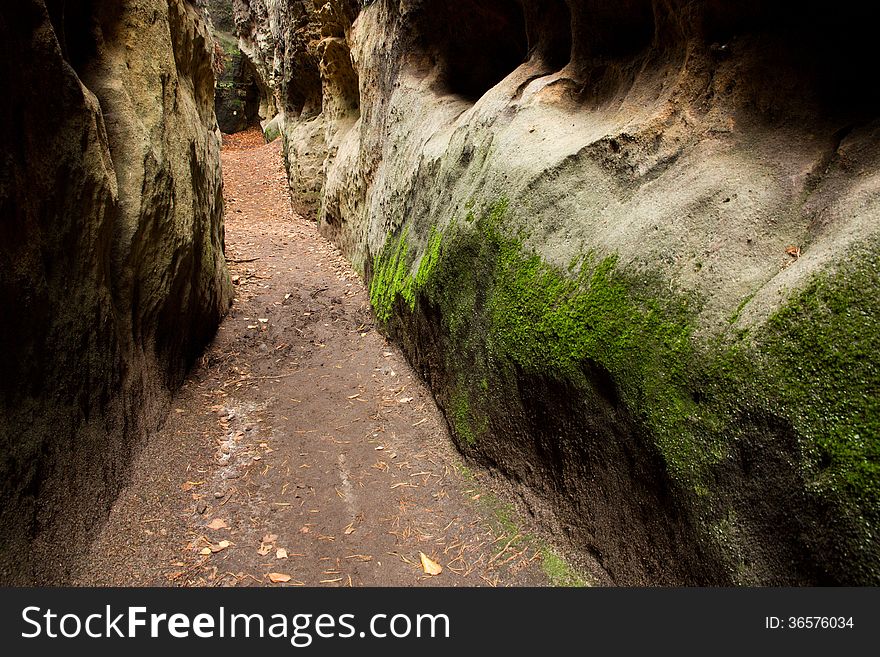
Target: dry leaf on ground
x=217, y=524
x=279, y=578
x=430, y=566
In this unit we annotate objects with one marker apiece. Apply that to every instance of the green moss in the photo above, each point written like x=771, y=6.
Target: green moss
x=271, y=133
x=821, y=354
x=465, y=471
x=541, y=319
x=429, y=259
x=558, y=571
x=738, y=313
x=504, y=514
x=545, y=320
x=818, y=354
x=460, y=412
x=392, y=279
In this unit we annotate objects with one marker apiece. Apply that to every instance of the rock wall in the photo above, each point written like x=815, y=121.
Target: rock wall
x=633, y=247
x=301, y=49
x=112, y=275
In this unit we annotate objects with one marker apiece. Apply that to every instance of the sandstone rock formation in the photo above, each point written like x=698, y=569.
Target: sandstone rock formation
x=632, y=245
x=112, y=274
x=300, y=49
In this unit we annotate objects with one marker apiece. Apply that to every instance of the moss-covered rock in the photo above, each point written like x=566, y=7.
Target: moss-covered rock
x=768, y=437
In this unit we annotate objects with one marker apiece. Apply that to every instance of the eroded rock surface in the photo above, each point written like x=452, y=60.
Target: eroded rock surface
x=301, y=50
x=633, y=246
x=112, y=275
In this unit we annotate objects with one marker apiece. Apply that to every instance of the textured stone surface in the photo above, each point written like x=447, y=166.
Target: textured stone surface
x=300, y=49
x=112, y=275
x=667, y=332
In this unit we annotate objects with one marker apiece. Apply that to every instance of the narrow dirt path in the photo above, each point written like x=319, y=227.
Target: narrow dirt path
x=303, y=445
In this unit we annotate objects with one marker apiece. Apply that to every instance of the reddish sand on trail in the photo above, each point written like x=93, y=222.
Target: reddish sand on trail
x=302, y=450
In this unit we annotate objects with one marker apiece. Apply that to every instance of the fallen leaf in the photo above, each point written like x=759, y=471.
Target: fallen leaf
x=429, y=566
x=217, y=524
x=405, y=400
x=304, y=530
x=794, y=251
x=264, y=549
x=279, y=578
x=205, y=551
x=281, y=553
x=222, y=545
x=270, y=538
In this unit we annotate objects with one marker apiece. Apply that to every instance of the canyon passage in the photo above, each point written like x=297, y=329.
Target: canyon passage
x=488, y=293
